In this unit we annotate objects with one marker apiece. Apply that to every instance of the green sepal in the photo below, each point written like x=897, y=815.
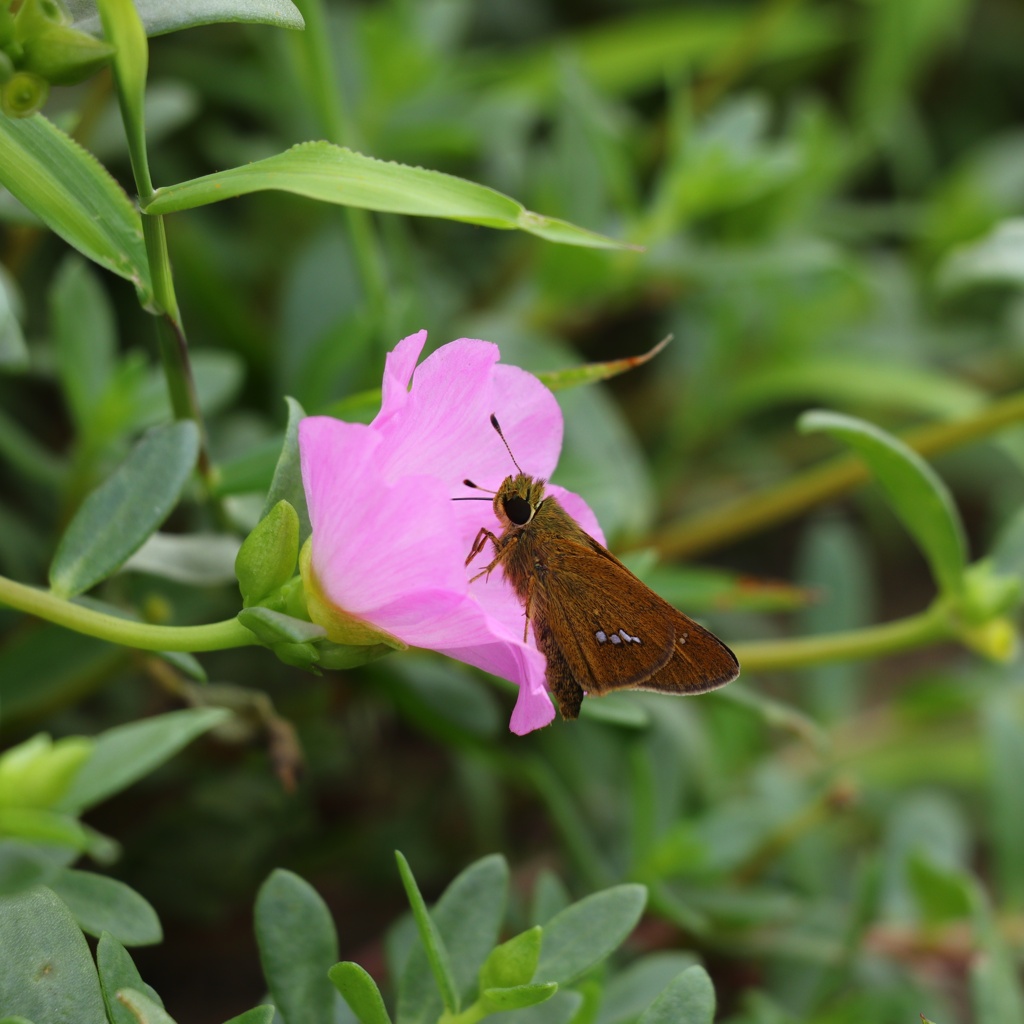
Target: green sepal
x=266, y=560
x=38, y=772
x=514, y=962
x=63, y=55
x=497, y=1000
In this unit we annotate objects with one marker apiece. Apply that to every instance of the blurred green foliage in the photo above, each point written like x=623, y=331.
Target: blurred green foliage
x=829, y=197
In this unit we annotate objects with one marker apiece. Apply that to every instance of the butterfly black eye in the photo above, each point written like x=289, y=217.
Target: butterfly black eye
x=518, y=510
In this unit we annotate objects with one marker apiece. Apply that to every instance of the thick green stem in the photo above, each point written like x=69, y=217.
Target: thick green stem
x=726, y=523
x=214, y=636
x=928, y=627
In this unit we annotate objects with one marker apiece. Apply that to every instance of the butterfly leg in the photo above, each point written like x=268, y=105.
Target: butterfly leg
x=482, y=538
x=502, y=551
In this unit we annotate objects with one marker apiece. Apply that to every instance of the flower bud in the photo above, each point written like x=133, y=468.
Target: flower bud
x=23, y=94
x=63, y=55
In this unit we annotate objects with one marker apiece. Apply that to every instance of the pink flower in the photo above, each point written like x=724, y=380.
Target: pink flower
x=389, y=545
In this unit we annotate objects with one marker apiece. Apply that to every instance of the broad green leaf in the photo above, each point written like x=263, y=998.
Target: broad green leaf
x=117, y=971
x=628, y=992
x=689, y=999
x=126, y=508
x=916, y=493
x=159, y=17
x=360, y=992
x=46, y=969
x=126, y=753
x=852, y=381
x=286, y=484
x=268, y=556
x=433, y=943
x=564, y=1007
x=942, y=894
x=996, y=259
x=102, y=904
x=84, y=337
x=298, y=946
x=500, y=1000
x=586, y=932
x=143, y=1009
x=468, y=917
x=333, y=174
x=199, y=559
x=74, y=196
x=24, y=865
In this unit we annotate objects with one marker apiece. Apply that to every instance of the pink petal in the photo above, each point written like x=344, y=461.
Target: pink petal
x=373, y=542
x=398, y=369
x=445, y=425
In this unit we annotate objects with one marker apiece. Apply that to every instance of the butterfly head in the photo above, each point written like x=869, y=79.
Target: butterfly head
x=517, y=500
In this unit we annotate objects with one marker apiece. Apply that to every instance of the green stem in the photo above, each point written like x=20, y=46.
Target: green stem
x=703, y=531
x=214, y=636
x=928, y=627
x=316, y=66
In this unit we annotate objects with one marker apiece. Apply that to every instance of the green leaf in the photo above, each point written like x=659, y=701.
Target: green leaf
x=102, y=904
x=286, y=484
x=46, y=969
x=437, y=952
x=468, y=917
x=126, y=508
x=43, y=826
x=996, y=259
x=513, y=962
x=126, y=753
x=118, y=971
x=37, y=772
x=159, y=16
x=84, y=337
x=360, y=992
x=628, y=992
x=588, y=931
x=199, y=559
x=333, y=174
x=689, y=999
x=499, y=1000
x=143, y=1009
x=298, y=946
x=591, y=373
x=75, y=196
x=943, y=894
x=268, y=556
x=24, y=865
x=13, y=352
x=272, y=627
x=916, y=493
x=257, y=1015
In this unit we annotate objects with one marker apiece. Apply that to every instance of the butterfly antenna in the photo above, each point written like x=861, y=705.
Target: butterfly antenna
x=497, y=427
x=476, y=487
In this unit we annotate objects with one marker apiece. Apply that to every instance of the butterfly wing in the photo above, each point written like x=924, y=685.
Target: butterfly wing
x=613, y=632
